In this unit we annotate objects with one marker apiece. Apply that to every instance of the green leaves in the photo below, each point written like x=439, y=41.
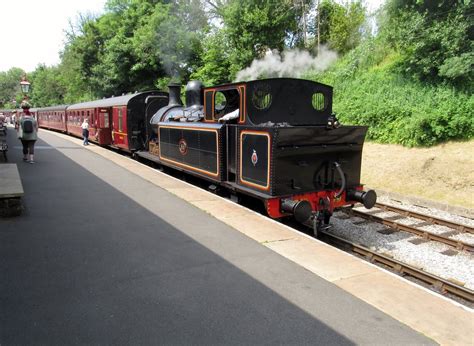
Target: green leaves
x=10, y=87
x=433, y=39
x=400, y=110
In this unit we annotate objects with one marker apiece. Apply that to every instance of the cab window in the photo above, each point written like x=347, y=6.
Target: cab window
x=226, y=101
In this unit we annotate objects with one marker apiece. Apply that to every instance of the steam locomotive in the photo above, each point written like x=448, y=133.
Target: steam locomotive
x=275, y=140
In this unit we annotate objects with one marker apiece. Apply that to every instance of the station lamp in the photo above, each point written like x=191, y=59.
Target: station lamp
x=25, y=85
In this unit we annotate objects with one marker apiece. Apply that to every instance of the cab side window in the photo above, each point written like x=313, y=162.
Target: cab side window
x=226, y=101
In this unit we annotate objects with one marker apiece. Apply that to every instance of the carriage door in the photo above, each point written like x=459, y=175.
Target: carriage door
x=105, y=134
x=119, y=127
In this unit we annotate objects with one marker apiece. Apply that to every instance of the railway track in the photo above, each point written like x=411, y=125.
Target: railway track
x=437, y=283
x=414, y=229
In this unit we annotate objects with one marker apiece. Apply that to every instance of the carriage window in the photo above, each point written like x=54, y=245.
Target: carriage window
x=318, y=101
x=262, y=97
x=106, y=119
x=120, y=118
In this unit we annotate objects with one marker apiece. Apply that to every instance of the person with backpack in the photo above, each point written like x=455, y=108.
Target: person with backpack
x=28, y=132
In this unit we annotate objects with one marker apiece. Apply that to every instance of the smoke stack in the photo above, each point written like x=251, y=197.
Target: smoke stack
x=194, y=94
x=175, y=94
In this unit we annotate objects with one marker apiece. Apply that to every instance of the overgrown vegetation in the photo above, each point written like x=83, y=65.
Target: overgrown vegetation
x=411, y=81
x=398, y=108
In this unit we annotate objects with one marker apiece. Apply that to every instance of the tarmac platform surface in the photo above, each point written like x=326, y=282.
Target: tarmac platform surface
x=104, y=255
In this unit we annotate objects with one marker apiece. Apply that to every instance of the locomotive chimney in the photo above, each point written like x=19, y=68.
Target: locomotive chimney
x=194, y=94
x=175, y=94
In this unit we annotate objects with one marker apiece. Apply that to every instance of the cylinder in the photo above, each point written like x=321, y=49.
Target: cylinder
x=301, y=210
x=367, y=198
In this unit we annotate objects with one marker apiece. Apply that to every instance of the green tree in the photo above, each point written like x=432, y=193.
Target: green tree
x=215, y=68
x=10, y=87
x=340, y=25
x=78, y=58
x=48, y=88
x=169, y=43
x=434, y=37
x=252, y=27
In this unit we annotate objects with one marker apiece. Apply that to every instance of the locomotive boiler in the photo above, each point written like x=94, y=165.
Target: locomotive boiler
x=274, y=139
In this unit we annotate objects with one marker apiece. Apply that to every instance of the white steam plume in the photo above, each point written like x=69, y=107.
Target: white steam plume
x=291, y=63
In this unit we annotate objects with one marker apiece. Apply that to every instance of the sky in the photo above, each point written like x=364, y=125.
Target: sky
x=32, y=31
x=42, y=38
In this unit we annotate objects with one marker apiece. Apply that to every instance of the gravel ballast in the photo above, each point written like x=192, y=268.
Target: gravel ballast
x=436, y=258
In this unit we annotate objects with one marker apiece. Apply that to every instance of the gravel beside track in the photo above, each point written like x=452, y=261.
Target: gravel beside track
x=436, y=258
x=428, y=211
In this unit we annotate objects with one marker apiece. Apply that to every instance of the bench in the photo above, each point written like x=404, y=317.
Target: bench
x=3, y=141
x=11, y=190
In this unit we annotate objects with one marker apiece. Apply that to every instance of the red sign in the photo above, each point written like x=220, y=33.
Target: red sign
x=183, y=146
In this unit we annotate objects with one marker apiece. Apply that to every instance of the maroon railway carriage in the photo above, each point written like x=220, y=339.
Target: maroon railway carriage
x=53, y=118
x=117, y=121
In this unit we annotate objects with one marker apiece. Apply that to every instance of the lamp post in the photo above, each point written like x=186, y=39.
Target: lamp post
x=25, y=86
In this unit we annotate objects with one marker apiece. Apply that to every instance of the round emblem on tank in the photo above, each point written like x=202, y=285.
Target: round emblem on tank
x=183, y=146
x=254, y=157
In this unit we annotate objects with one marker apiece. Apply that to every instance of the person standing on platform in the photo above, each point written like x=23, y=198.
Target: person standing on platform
x=28, y=132
x=14, y=120
x=85, y=131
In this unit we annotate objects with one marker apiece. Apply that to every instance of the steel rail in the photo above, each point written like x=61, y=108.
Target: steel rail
x=428, y=218
x=444, y=286
x=458, y=244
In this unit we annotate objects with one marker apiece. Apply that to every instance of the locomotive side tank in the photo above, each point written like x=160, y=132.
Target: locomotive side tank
x=273, y=139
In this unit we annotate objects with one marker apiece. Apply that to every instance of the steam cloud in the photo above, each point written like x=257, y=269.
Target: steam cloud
x=291, y=63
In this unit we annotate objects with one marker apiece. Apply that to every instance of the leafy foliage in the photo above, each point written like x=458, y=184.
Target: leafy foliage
x=216, y=65
x=49, y=89
x=10, y=87
x=252, y=27
x=368, y=90
x=434, y=38
x=341, y=26
x=402, y=111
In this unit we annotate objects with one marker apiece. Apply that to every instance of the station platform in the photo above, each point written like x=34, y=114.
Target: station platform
x=110, y=251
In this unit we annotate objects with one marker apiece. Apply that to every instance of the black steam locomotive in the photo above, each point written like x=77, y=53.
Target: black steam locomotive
x=274, y=139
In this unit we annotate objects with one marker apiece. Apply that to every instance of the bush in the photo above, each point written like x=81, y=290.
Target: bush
x=397, y=109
